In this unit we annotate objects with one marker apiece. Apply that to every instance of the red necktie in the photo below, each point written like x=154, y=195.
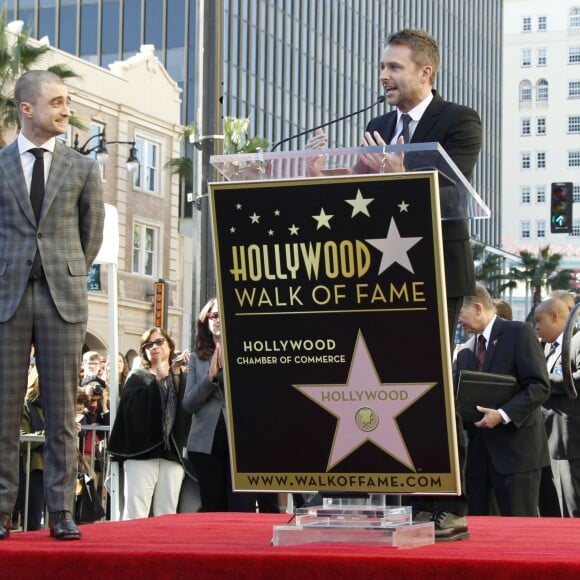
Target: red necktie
x=480, y=352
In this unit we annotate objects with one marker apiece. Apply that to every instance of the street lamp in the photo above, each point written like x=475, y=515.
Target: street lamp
x=102, y=153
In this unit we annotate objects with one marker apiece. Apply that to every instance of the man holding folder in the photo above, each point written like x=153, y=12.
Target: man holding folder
x=508, y=446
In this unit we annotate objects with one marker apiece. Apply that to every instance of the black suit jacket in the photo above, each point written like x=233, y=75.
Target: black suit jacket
x=520, y=445
x=458, y=129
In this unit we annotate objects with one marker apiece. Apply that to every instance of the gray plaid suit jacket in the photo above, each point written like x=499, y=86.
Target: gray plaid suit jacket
x=69, y=234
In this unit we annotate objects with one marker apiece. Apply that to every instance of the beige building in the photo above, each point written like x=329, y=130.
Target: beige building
x=135, y=101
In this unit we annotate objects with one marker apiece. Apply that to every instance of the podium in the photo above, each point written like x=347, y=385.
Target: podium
x=337, y=368
x=458, y=198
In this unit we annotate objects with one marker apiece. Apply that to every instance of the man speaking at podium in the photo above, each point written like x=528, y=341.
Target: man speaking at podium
x=409, y=66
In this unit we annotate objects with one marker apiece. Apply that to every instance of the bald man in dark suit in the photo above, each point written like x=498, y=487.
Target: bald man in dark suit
x=48, y=241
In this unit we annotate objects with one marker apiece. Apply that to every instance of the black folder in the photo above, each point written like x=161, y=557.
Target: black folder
x=484, y=389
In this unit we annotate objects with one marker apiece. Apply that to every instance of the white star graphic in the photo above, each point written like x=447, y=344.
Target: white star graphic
x=232, y=230
x=359, y=204
x=366, y=409
x=270, y=232
x=394, y=248
x=276, y=212
x=238, y=206
x=323, y=219
x=403, y=207
x=255, y=218
x=293, y=230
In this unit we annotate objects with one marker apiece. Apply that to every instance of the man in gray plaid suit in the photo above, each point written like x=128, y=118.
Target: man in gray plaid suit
x=47, y=244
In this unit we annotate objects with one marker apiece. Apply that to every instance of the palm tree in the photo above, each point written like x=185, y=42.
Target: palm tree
x=488, y=267
x=17, y=55
x=541, y=272
x=183, y=166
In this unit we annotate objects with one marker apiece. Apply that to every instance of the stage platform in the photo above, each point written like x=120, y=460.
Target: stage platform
x=238, y=546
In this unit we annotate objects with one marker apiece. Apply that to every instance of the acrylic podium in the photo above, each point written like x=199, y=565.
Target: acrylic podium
x=325, y=274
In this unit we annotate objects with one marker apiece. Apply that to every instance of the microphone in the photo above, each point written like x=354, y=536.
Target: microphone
x=380, y=99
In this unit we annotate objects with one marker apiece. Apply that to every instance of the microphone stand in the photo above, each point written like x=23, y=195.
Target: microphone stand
x=380, y=99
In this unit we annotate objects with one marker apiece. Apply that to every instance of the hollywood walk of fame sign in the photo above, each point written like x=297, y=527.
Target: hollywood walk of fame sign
x=336, y=353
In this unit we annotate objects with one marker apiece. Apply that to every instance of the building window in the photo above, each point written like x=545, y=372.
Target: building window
x=145, y=249
x=574, y=21
x=525, y=229
x=526, y=161
x=574, y=55
x=574, y=124
x=576, y=229
x=574, y=89
x=542, y=57
x=525, y=194
x=527, y=24
x=541, y=194
x=526, y=128
x=542, y=23
x=573, y=159
x=541, y=229
x=542, y=90
x=526, y=57
x=576, y=193
x=147, y=177
x=541, y=160
x=541, y=126
x=525, y=91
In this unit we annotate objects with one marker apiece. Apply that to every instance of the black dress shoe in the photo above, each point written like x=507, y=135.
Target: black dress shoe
x=62, y=526
x=5, y=525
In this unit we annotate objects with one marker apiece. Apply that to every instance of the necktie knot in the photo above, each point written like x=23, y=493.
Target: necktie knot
x=552, y=349
x=38, y=152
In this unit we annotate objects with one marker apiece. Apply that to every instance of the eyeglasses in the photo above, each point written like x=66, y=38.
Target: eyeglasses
x=213, y=315
x=156, y=342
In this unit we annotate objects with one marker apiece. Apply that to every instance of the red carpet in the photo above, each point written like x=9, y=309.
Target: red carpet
x=217, y=545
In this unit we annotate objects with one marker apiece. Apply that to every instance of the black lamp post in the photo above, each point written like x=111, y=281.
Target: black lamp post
x=102, y=153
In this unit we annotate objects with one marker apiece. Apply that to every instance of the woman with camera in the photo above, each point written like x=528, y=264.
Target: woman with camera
x=151, y=429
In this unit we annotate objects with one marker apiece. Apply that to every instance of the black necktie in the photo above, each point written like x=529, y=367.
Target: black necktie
x=405, y=132
x=36, y=197
x=37, y=182
x=480, y=352
x=552, y=350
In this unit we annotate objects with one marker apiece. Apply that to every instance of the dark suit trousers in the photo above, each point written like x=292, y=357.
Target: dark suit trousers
x=215, y=478
x=58, y=352
x=516, y=493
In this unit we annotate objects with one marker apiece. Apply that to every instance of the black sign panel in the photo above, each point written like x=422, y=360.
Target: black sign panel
x=337, y=363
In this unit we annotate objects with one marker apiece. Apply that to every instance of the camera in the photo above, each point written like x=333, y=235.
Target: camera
x=97, y=391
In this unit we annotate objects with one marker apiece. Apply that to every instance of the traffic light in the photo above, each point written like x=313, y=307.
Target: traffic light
x=561, y=203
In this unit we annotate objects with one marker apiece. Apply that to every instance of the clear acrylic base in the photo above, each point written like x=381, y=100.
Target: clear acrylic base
x=355, y=520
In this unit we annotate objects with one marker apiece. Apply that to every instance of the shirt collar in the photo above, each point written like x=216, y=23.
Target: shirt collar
x=487, y=330
x=25, y=144
x=417, y=112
